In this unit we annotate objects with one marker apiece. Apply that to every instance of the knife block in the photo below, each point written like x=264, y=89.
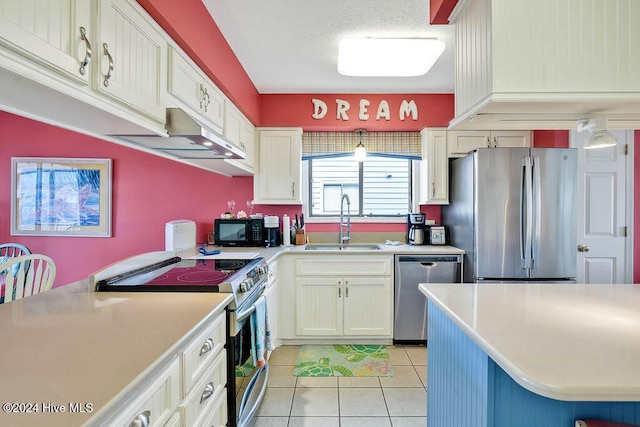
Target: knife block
x=301, y=238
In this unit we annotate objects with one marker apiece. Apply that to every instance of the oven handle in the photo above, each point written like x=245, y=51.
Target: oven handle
x=245, y=415
x=240, y=316
x=243, y=315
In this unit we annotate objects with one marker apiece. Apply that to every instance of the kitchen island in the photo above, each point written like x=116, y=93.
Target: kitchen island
x=532, y=355
x=72, y=357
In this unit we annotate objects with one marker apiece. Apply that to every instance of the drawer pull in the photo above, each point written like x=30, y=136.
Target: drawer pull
x=87, y=54
x=207, y=393
x=207, y=346
x=141, y=420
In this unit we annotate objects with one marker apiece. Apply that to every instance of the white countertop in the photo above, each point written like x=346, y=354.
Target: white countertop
x=271, y=253
x=69, y=345
x=565, y=342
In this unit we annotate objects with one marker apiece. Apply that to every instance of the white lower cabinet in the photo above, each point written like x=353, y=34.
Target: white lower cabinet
x=344, y=296
x=188, y=390
x=200, y=401
x=156, y=400
x=272, y=294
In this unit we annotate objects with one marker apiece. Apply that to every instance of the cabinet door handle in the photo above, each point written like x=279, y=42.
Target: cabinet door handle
x=207, y=346
x=346, y=289
x=433, y=189
x=293, y=189
x=105, y=47
x=339, y=289
x=207, y=99
x=495, y=142
x=201, y=96
x=87, y=52
x=207, y=393
x=488, y=142
x=141, y=420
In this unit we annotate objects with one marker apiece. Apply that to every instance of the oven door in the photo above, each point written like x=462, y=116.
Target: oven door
x=254, y=386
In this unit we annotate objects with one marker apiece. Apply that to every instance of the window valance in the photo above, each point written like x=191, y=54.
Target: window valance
x=396, y=144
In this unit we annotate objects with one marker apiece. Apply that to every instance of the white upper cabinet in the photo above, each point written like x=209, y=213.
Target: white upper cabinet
x=434, y=167
x=95, y=66
x=459, y=143
x=279, y=172
x=189, y=85
x=131, y=58
x=56, y=34
x=240, y=132
x=523, y=64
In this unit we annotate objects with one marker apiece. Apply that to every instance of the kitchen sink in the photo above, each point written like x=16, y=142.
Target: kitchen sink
x=349, y=247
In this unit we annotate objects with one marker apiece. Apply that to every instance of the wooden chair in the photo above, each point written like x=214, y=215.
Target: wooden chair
x=34, y=274
x=12, y=250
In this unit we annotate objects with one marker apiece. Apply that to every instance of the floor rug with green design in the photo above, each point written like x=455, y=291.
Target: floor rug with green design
x=337, y=360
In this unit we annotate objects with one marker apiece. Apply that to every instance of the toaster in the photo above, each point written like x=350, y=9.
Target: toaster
x=437, y=235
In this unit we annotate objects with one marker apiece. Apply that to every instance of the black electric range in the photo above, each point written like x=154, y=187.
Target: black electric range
x=163, y=272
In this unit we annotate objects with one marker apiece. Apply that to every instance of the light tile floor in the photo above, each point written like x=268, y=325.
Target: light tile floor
x=398, y=401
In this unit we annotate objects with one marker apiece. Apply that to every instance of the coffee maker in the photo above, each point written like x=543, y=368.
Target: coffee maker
x=271, y=230
x=416, y=228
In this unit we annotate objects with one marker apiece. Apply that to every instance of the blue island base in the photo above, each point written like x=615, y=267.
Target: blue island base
x=466, y=388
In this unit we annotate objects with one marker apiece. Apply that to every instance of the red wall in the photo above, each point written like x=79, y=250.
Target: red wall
x=551, y=138
x=439, y=11
x=147, y=191
x=434, y=110
x=188, y=23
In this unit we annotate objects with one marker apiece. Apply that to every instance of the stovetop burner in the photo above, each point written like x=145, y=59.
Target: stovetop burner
x=176, y=274
x=197, y=272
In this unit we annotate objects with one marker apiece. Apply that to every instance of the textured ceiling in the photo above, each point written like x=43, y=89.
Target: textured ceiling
x=291, y=46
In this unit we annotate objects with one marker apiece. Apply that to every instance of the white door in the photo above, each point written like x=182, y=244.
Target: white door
x=603, y=250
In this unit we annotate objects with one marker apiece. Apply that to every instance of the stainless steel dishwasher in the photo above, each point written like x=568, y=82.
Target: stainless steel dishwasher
x=410, y=323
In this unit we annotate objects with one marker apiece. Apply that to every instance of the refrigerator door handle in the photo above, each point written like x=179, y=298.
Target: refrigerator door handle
x=526, y=209
x=538, y=212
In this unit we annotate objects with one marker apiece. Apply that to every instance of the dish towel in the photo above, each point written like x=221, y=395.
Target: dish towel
x=261, y=332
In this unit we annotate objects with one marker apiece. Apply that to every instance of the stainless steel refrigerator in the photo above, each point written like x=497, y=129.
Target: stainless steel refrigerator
x=513, y=211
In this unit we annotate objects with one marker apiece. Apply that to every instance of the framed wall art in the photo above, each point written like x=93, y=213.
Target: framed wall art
x=61, y=197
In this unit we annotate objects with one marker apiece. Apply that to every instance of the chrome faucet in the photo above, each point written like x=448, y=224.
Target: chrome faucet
x=344, y=238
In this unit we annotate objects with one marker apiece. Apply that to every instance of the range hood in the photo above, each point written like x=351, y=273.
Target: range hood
x=187, y=139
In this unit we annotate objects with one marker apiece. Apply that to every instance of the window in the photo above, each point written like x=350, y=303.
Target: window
x=379, y=186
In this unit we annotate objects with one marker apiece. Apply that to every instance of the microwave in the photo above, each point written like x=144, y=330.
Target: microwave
x=238, y=232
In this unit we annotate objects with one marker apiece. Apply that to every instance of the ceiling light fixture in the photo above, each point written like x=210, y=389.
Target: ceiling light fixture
x=599, y=136
x=386, y=57
x=360, y=152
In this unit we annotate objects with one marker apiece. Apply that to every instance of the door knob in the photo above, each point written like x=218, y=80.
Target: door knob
x=583, y=248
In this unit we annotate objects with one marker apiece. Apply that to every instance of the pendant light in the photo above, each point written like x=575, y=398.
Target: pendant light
x=360, y=152
x=599, y=136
